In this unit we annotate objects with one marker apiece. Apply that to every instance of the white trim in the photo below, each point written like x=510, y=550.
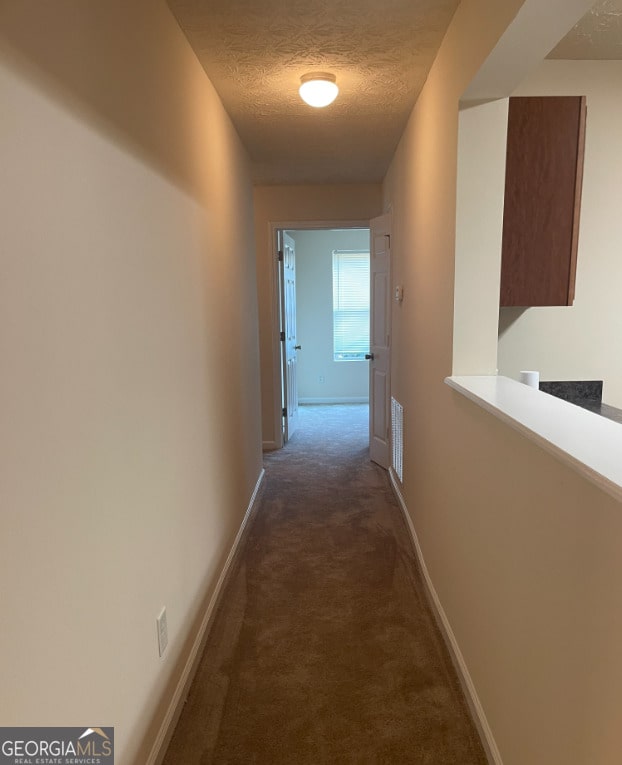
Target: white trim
x=183, y=686
x=320, y=225
x=589, y=443
x=382, y=224
x=270, y=446
x=335, y=400
x=275, y=311
x=477, y=711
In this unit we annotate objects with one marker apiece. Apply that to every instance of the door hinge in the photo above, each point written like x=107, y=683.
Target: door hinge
x=284, y=411
x=282, y=337
x=280, y=255
x=388, y=238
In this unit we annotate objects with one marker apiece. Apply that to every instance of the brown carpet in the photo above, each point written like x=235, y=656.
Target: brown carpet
x=324, y=649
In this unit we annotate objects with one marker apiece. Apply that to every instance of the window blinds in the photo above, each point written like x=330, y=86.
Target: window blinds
x=350, y=305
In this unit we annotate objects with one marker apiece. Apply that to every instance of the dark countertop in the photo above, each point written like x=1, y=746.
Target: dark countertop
x=610, y=412
x=584, y=393
x=574, y=390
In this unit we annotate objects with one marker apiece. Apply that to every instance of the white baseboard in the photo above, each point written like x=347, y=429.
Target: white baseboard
x=335, y=400
x=183, y=686
x=269, y=446
x=477, y=711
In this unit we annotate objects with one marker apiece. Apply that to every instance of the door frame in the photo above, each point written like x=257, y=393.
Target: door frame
x=383, y=454
x=275, y=305
x=289, y=347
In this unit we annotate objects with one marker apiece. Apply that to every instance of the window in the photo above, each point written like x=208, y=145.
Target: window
x=350, y=305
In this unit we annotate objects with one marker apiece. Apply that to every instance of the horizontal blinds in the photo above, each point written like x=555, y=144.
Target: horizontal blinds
x=350, y=305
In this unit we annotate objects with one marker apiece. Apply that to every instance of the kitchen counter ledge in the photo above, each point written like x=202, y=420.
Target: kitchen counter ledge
x=590, y=443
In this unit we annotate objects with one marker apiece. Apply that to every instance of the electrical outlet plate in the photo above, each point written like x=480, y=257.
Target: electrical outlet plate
x=162, y=631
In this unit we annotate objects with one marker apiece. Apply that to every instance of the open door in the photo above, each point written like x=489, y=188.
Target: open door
x=380, y=341
x=289, y=348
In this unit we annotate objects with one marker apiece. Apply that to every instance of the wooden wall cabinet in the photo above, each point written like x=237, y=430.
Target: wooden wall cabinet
x=543, y=179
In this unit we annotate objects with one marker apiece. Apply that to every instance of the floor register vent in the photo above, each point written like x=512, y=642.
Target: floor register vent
x=397, y=438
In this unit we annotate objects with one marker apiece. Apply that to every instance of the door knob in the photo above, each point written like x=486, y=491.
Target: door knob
x=297, y=347
x=369, y=356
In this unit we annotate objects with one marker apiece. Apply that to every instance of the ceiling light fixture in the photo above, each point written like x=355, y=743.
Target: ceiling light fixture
x=318, y=88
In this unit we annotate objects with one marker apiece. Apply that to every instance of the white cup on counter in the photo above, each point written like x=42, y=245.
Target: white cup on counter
x=530, y=377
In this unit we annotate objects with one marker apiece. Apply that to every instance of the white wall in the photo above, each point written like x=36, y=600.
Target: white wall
x=523, y=553
x=287, y=205
x=341, y=380
x=130, y=432
x=581, y=342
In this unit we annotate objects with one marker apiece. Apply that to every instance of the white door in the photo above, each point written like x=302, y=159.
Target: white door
x=288, y=335
x=380, y=341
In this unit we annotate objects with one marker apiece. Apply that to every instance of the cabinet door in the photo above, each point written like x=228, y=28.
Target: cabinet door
x=544, y=173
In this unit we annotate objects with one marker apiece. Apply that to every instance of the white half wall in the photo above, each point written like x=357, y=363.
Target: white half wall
x=524, y=554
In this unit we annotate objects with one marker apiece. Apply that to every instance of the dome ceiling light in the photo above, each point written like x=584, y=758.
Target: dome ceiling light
x=318, y=88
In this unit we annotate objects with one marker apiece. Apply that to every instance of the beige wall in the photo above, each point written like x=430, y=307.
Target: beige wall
x=314, y=307
x=581, y=342
x=479, y=228
x=523, y=553
x=129, y=395
x=289, y=205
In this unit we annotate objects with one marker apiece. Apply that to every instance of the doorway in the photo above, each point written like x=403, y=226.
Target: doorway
x=334, y=324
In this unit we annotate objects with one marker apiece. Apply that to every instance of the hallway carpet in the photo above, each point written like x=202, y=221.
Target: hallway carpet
x=324, y=649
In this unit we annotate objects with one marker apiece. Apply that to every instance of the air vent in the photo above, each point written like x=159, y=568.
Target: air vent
x=397, y=439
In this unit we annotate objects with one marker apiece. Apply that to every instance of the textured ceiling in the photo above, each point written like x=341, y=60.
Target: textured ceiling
x=597, y=36
x=254, y=52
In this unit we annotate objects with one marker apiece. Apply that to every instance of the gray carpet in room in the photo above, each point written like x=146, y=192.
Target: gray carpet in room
x=324, y=649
